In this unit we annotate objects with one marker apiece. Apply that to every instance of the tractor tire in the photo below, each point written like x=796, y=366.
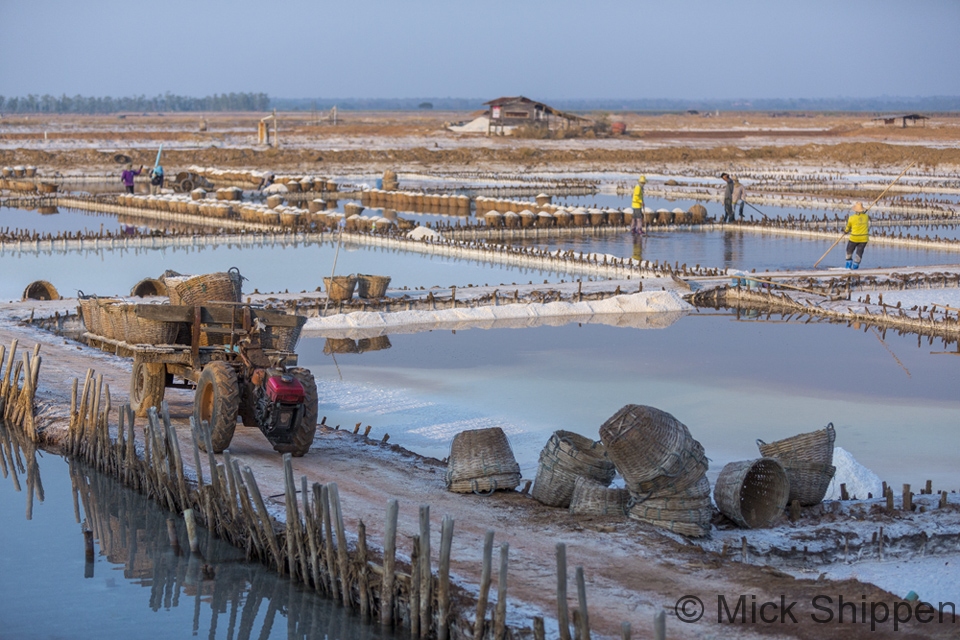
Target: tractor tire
x=216, y=402
x=147, y=384
x=186, y=185
x=307, y=427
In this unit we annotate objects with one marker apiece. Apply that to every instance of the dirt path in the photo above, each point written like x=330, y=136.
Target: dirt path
x=631, y=570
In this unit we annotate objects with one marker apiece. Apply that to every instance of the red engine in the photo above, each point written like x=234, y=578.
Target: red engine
x=279, y=406
x=284, y=388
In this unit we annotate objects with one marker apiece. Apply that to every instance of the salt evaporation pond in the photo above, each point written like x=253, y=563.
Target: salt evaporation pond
x=731, y=381
x=269, y=268
x=138, y=586
x=736, y=249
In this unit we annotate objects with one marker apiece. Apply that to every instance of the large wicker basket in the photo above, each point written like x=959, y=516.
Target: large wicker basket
x=111, y=318
x=137, y=330
x=223, y=286
x=752, y=493
x=481, y=461
x=694, y=497
x=282, y=338
x=809, y=481
x=816, y=446
x=90, y=312
x=372, y=286
x=566, y=457
x=652, y=450
x=339, y=288
x=592, y=498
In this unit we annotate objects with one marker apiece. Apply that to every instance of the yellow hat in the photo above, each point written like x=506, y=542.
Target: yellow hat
x=642, y=179
x=858, y=207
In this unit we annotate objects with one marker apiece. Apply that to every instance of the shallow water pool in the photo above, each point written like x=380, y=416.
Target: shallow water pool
x=730, y=380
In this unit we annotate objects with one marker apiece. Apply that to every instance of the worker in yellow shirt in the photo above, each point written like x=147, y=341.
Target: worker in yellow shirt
x=636, y=226
x=858, y=226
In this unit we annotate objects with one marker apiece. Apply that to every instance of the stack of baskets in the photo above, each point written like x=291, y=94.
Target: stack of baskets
x=595, y=499
x=752, y=493
x=481, y=461
x=663, y=467
x=567, y=457
x=808, y=460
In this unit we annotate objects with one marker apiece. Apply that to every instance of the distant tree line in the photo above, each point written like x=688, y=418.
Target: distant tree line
x=107, y=104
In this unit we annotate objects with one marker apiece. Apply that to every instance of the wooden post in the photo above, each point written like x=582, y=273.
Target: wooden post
x=265, y=518
x=172, y=536
x=929, y=487
x=907, y=498
x=328, y=539
x=415, y=589
x=389, y=563
x=501, y=622
x=563, y=616
x=795, y=510
x=311, y=532
x=539, y=632
x=443, y=589
x=484, y=594
x=341, y=543
x=625, y=630
x=191, y=522
x=582, y=603
x=889, y=497
x=426, y=571
x=843, y=492
x=660, y=625
x=363, y=585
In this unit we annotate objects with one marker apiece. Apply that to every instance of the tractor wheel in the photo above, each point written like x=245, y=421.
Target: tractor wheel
x=216, y=402
x=147, y=385
x=307, y=427
x=186, y=185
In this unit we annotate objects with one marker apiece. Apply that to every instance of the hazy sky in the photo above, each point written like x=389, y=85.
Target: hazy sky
x=454, y=48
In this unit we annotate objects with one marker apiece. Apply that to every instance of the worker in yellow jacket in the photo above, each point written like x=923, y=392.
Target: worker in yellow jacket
x=858, y=226
x=636, y=226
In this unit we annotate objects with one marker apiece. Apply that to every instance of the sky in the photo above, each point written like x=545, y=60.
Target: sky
x=560, y=49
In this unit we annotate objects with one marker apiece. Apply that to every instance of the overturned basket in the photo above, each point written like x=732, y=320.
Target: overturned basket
x=752, y=493
x=339, y=288
x=372, y=286
x=481, y=461
x=652, y=450
x=815, y=447
x=593, y=498
x=566, y=457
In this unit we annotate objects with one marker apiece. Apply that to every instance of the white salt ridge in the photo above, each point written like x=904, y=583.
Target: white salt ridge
x=644, y=302
x=859, y=479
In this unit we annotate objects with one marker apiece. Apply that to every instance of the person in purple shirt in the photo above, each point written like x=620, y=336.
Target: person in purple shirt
x=128, y=176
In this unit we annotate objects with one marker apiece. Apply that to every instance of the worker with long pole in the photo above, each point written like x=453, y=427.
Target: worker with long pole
x=156, y=174
x=865, y=230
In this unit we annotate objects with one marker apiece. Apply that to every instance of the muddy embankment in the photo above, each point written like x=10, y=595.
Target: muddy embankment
x=868, y=154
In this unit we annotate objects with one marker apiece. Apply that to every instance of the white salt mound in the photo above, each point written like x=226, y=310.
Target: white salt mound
x=276, y=188
x=859, y=480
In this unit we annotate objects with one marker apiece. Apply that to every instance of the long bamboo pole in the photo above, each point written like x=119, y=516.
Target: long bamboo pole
x=882, y=193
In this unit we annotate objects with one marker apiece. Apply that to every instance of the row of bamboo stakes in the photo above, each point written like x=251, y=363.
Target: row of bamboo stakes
x=315, y=549
x=18, y=387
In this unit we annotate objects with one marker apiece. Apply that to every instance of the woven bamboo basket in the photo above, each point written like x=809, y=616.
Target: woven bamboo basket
x=340, y=288
x=664, y=216
x=614, y=216
x=90, y=312
x=694, y=497
x=691, y=465
x=223, y=286
x=809, y=481
x=752, y=493
x=697, y=214
x=40, y=290
x=699, y=516
x=340, y=345
x=149, y=287
x=282, y=338
x=592, y=498
x=688, y=529
x=111, y=318
x=651, y=448
x=137, y=330
x=816, y=446
x=372, y=286
x=566, y=457
x=481, y=461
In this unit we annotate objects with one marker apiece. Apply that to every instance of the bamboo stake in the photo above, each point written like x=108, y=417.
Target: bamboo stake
x=443, y=588
x=389, y=564
x=582, y=604
x=563, y=618
x=660, y=625
x=264, y=516
x=341, y=543
x=311, y=532
x=485, y=571
x=415, y=589
x=191, y=522
x=328, y=540
x=426, y=571
x=293, y=518
x=501, y=623
x=362, y=571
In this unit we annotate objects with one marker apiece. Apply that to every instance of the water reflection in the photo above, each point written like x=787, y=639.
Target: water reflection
x=142, y=575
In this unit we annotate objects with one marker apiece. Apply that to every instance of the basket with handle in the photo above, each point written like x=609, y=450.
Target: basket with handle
x=340, y=288
x=372, y=286
x=481, y=461
x=752, y=493
x=566, y=457
x=223, y=286
x=815, y=446
x=809, y=481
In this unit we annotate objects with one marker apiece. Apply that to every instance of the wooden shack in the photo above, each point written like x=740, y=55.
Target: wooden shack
x=517, y=111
